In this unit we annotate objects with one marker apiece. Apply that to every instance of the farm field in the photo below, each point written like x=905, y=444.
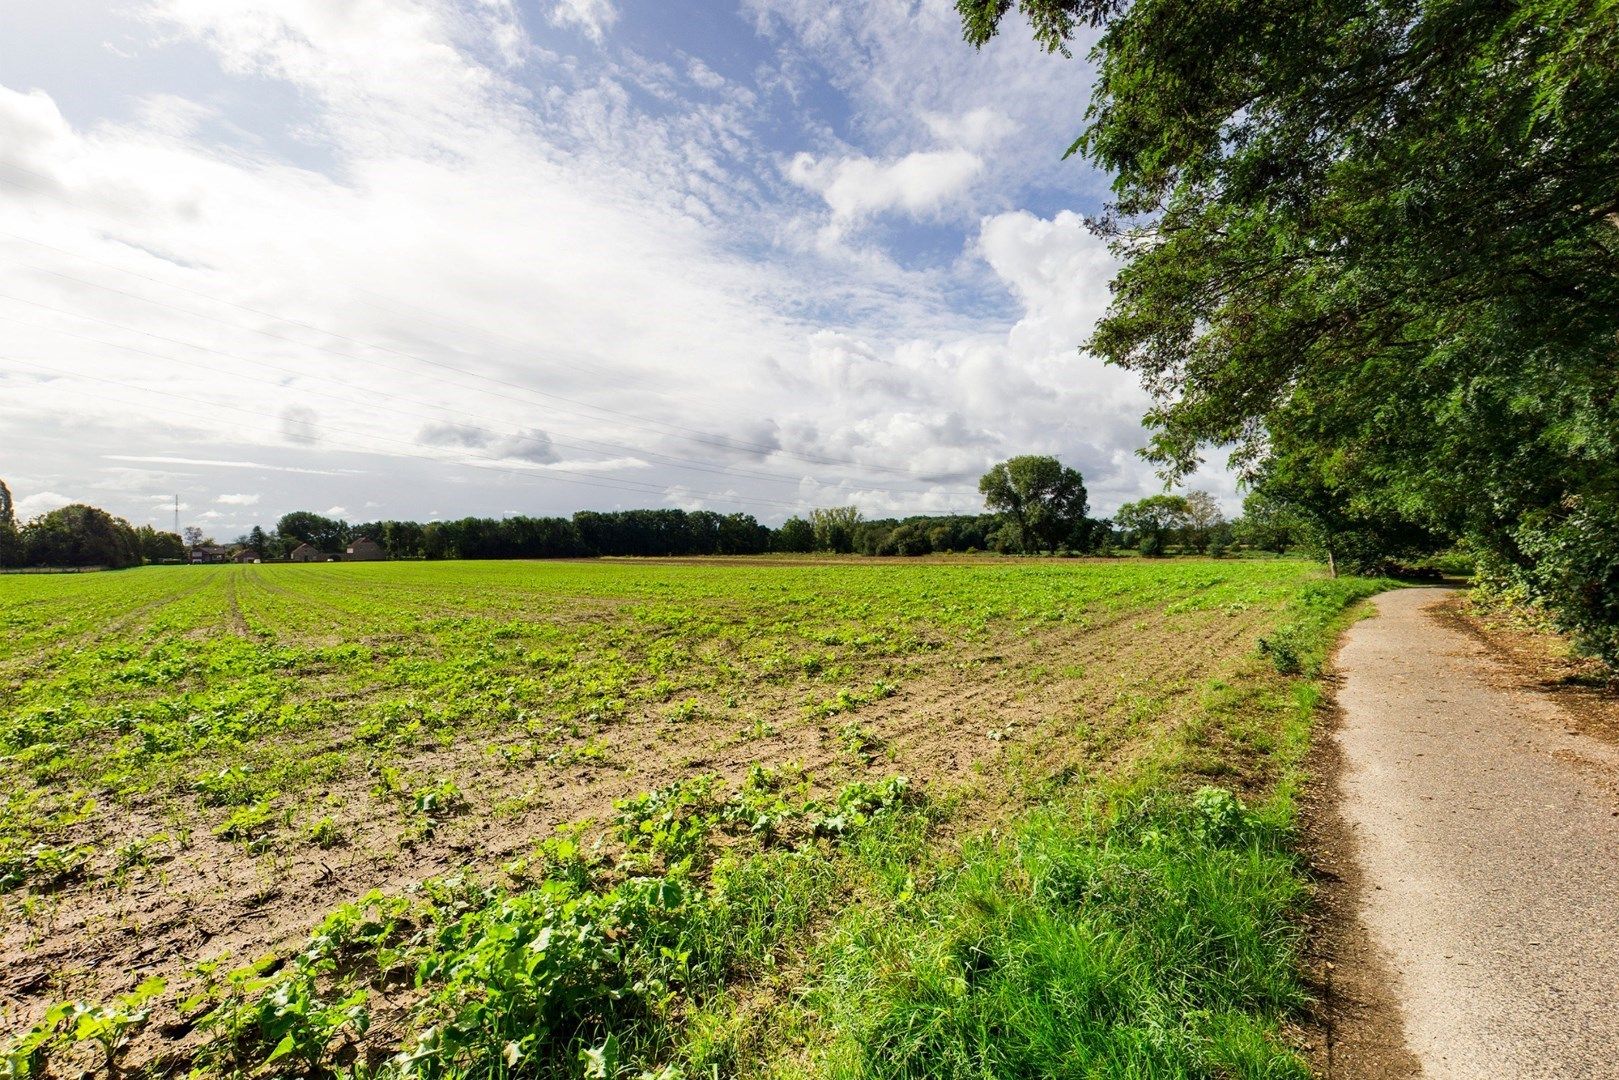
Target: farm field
x=335, y=816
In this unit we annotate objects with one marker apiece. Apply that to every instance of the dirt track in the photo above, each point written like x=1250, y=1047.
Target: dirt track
x=1487, y=840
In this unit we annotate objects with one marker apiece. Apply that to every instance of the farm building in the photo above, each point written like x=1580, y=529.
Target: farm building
x=248, y=555
x=306, y=553
x=210, y=553
x=364, y=549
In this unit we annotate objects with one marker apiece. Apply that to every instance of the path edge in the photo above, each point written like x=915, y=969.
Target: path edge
x=1355, y=1028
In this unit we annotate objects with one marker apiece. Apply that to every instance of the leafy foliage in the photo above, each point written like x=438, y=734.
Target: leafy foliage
x=1045, y=499
x=1373, y=246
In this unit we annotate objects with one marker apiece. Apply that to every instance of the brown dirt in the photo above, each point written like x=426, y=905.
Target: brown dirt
x=1353, y=1030
x=1544, y=663
x=997, y=715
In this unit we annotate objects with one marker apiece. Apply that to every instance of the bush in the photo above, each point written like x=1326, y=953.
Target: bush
x=1570, y=565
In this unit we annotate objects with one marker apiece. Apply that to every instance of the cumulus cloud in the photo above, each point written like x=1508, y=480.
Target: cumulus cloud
x=857, y=187
x=533, y=446
x=425, y=248
x=238, y=500
x=975, y=129
x=462, y=435
x=41, y=502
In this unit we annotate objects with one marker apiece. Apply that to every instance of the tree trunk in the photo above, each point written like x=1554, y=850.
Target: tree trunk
x=1332, y=564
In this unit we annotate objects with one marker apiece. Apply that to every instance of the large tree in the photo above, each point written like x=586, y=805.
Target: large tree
x=10, y=542
x=834, y=527
x=1203, y=517
x=1044, y=498
x=304, y=527
x=1373, y=246
x=1150, y=522
x=80, y=535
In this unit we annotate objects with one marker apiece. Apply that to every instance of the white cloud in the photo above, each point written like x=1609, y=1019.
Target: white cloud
x=856, y=187
x=41, y=502
x=976, y=129
x=219, y=463
x=335, y=511
x=438, y=265
x=238, y=500
x=591, y=17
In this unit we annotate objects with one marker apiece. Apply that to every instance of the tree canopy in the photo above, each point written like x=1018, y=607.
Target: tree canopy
x=79, y=535
x=1373, y=246
x=1045, y=499
x=1148, y=523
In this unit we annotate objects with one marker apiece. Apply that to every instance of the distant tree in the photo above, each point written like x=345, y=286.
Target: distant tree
x=10, y=542
x=834, y=528
x=1044, y=499
x=1149, y=523
x=1268, y=525
x=258, y=541
x=1358, y=530
x=1203, y=516
x=1088, y=535
x=80, y=535
x=437, y=541
x=158, y=547
x=192, y=537
x=303, y=527
x=741, y=534
x=795, y=535
x=909, y=538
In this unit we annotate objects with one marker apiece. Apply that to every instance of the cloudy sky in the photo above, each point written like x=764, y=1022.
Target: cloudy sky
x=427, y=258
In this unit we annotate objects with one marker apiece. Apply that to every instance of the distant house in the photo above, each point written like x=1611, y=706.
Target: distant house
x=364, y=549
x=306, y=553
x=210, y=553
x=248, y=555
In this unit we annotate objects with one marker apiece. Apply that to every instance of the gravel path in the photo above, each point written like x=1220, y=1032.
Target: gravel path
x=1487, y=837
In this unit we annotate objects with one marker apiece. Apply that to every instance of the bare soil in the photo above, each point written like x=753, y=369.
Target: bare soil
x=1544, y=663
x=1354, y=1030
x=996, y=716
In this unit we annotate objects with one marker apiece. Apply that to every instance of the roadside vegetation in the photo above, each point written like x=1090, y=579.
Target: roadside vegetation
x=1374, y=247
x=670, y=819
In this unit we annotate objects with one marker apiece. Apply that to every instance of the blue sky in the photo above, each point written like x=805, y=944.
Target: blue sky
x=417, y=258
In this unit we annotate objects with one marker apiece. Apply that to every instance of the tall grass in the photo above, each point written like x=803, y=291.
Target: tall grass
x=1148, y=939
x=1145, y=925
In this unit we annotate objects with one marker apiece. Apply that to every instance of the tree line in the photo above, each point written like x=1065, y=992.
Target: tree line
x=80, y=536
x=1033, y=504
